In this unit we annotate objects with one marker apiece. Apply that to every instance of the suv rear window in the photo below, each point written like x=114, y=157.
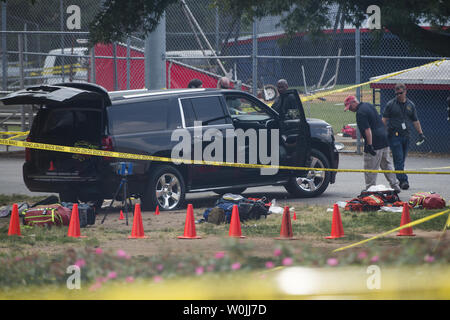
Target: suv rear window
x=208, y=110
x=139, y=117
x=68, y=124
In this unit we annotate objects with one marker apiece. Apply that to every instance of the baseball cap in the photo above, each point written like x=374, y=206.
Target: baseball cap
x=347, y=102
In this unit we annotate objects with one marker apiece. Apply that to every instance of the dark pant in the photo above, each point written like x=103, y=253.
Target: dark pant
x=399, y=147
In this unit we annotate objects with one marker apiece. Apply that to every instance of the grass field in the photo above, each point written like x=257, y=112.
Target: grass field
x=106, y=256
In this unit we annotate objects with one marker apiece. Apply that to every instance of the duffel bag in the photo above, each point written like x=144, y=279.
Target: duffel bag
x=46, y=215
x=434, y=201
x=86, y=213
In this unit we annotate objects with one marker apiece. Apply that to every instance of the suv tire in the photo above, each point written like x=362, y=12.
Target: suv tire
x=165, y=189
x=313, y=183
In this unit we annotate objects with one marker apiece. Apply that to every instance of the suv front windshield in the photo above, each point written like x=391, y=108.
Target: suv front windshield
x=243, y=109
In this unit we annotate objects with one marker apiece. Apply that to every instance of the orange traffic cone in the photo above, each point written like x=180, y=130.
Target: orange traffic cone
x=137, y=231
x=189, y=226
x=337, y=230
x=157, y=211
x=74, y=225
x=405, y=220
x=235, y=224
x=52, y=167
x=14, y=224
x=286, y=226
x=121, y=217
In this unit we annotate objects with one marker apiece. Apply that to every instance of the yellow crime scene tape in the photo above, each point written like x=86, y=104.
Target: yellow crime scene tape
x=320, y=95
x=114, y=154
x=411, y=224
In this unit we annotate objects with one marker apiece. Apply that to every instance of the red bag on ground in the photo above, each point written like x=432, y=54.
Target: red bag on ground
x=47, y=215
x=417, y=198
x=427, y=200
x=433, y=201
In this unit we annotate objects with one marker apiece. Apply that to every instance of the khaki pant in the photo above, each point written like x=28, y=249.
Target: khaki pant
x=382, y=160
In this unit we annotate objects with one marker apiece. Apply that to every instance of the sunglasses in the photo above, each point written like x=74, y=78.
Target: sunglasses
x=399, y=93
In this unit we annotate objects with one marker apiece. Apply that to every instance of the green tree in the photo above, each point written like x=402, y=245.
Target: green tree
x=401, y=17
x=116, y=18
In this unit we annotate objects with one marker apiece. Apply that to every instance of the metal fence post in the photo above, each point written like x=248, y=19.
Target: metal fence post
x=255, y=58
x=217, y=30
x=61, y=22
x=358, y=80
x=4, y=50
x=21, y=79
x=115, y=67
x=93, y=80
x=128, y=63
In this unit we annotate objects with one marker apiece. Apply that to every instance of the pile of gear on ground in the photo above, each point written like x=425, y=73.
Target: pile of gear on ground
x=51, y=211
x=382, y=198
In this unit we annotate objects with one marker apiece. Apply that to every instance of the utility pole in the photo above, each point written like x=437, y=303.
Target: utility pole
x=155, y=57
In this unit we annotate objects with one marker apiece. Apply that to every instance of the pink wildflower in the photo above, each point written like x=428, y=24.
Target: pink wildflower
x=428, y=258
x=277, y=252
x=269, y=264
x=362, y=255
x=157, y=279
x=375, y=259
x=332, y=262
x=219, y=254
x=122, y=254
x=235, y=266
x=98, y=251
x=80, y=263
x=287, y=261
x=112, y=275
x=199, y=270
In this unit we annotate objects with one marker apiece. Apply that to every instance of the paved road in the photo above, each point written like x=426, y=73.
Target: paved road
x=347, y=186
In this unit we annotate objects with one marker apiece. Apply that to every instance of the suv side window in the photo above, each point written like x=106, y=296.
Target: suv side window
x=137, y=117
x=208, y=110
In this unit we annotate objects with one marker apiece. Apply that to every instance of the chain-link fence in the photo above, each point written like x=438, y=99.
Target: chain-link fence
x=207, y=43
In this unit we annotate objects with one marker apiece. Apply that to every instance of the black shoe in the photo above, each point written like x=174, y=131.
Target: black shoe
x=404, y=185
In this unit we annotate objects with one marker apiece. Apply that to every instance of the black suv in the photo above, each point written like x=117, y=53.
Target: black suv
x=142, y=122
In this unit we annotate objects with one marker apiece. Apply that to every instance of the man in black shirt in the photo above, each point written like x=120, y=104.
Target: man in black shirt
x=285, y=104
x=376, y=151
x=396, y=114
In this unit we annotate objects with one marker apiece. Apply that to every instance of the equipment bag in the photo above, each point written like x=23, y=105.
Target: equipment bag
x=427, y=200
x=86, y=213
x=434, y=201
x=387, y=196
x=46, y=215
x=248, y=209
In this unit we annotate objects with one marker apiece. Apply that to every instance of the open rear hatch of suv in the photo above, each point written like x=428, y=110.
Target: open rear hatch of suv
x=69, y=115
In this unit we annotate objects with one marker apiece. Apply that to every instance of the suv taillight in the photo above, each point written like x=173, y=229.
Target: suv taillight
x=28, y=151
x=107, y=145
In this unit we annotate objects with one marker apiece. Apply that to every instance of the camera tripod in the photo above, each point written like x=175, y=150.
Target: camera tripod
x=124, y=187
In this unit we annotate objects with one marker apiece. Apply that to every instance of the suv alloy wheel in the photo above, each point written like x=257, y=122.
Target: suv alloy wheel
x=166, y=189
x=314, y=182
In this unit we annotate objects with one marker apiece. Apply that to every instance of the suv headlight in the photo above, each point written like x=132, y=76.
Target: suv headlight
x=330, y=131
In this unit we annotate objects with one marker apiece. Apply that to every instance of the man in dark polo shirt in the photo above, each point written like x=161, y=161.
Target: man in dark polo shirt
x=396, y=115
x=376, y=150
x=285, y=104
